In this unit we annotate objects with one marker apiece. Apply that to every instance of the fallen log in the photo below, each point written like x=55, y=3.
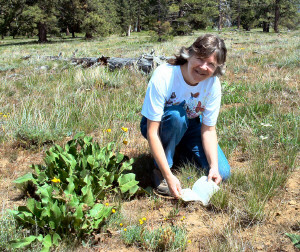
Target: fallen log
x=144, y=63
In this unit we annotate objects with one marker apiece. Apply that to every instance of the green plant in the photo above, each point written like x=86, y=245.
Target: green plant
x=68, y=187
x=168, y=238
x=295, y=238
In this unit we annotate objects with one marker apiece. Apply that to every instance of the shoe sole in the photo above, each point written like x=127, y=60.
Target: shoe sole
x=162, y=195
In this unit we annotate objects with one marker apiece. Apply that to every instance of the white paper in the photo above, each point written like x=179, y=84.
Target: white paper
x=202, y=191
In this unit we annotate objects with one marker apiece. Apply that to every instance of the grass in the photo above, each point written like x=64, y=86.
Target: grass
x=257, y=127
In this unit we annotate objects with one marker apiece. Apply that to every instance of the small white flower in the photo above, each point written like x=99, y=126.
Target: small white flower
x=266, y=124
x=263, y=137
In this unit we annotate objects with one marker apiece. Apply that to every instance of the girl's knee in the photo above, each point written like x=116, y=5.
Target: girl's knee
x=175, y=116
x=225, y=173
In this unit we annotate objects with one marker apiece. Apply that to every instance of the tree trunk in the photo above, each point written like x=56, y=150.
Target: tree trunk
x=42, y=32
x=73, y=34
x=88, y=35
x=277, y=15
x=67, y=31
x=180, y=12
x=239, y=14
x=128, y=31
x=138, y=25
x=220, y=16
x=266, y=26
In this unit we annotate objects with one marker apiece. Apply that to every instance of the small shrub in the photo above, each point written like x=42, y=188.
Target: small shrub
x=69, y=188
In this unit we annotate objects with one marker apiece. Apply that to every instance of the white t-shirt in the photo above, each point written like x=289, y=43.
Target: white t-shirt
x=167, y=87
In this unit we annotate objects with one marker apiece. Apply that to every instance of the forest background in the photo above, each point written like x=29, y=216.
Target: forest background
x=165, y=18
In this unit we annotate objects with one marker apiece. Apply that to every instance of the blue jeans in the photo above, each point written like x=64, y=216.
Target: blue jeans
x=177, y=131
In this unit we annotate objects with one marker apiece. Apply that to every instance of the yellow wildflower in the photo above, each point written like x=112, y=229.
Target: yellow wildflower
x=125, y=141
x=189, y=241
x=108, y=130
x=121, y=224
x=55, y=180
x=141, y=222
x=125, y=229
x=124, y=129
x=4, y=116
x=1, y=113
x=144, y=219
x=113, y=210
x=106, y=204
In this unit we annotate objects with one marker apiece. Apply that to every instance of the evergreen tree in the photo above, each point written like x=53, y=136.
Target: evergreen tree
x=10, y=11
x=196, y=14
x=286, y=13
x=70, y=15
x=248, y=14
x=43, y=14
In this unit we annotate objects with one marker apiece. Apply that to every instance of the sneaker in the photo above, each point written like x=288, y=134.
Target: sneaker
x=160, y=184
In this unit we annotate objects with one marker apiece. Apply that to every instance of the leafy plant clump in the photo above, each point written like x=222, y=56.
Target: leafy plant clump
x=69, y=188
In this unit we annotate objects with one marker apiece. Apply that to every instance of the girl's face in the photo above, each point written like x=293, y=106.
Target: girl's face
x=199, y=69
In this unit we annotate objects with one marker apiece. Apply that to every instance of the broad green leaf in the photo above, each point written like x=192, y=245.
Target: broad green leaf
x=79, y=135
x=46, y=212
x=74, y=201
x=88, y=197
x=45, y=193
x=56, y=239
x=88, y=139
x=40, y=238
x=47, y=243
x=91, y=160
x=21, y=243
x=110, y=146
x=127, y=183
x=52, y=225
x=56, y=210
x=71, y=186
x=125, y=166
x=110, y=179
x=96, y=210
x=101, y=156
x=42, y=177
x=119, y=158
x=27, y=177
x=78, y=213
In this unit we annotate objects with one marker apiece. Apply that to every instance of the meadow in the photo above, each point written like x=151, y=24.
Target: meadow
x=47, y=101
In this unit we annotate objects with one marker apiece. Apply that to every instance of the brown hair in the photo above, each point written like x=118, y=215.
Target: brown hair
x=204, y=46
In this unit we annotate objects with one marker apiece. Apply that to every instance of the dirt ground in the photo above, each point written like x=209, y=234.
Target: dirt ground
x=202, y=224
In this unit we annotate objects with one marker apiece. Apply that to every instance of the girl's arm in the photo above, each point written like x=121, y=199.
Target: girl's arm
x=210, y=146
x=158, y=153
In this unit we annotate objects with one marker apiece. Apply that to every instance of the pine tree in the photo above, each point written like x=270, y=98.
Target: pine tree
x=10, y=11
x=70, y=15
x=286, y=13
x=42, y=13
x=99, y=17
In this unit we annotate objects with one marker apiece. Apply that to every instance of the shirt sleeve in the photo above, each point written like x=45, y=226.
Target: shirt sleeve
x=153, y=107
x=212, y=107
